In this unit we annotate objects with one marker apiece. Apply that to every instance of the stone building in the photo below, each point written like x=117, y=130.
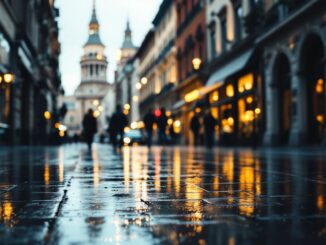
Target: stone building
x=294, y=60
x=29, y=49
x=146, y=72
x=94, y=86
x=165, y=57
x=267, y=71
x=191, y=58
x=124, y=75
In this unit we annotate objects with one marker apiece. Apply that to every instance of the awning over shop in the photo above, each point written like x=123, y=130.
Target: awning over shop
x=179, y=104
x=3, y=69
x=218, y=77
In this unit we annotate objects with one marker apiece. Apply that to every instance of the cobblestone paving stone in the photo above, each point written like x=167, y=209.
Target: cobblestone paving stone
x=172, y=195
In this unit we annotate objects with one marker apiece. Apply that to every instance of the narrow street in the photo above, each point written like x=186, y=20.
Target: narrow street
x=63, y=195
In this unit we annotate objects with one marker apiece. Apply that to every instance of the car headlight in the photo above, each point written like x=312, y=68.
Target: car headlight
x=127, y=140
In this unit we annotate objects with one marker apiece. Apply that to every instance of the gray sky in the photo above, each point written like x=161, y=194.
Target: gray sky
x=112, y=14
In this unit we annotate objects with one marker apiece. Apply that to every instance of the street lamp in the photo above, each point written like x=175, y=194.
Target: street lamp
x=144, y=80
x=196, y=62
x=7, y=78
x=47, y=115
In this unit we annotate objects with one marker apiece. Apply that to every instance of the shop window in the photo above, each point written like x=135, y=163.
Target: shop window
x=227, y=122
x=214, y=97
x=246, y=83
x=229, y=90
x=246, y=117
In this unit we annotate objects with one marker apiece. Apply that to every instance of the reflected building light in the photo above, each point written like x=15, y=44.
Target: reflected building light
x=47, y=174
x=228, y=173
x=320, y=188
x=61, y=165
x=157, y=178
x=126, y=168
x=7, y=213
x=177, y=171
x=194, y=194
x=320, y=202
x=247, y=182
x=139, y=175
x=96, y=169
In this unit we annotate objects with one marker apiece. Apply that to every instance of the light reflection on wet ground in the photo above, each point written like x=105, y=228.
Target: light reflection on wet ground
x=63, y=195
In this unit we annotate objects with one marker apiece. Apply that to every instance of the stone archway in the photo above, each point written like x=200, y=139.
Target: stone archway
x=282, y=85
x=313, y=72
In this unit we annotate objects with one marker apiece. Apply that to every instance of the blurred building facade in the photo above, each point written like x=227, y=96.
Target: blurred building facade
x=146, y=72
x=258, y=66
x=29, y=49
x=191, y=47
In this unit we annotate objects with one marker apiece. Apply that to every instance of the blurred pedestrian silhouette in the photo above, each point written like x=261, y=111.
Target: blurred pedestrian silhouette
x=195, y=128
x=162, y=123
x=118, y=123
x=149, y=121
x=209, y=129
x=89, y=128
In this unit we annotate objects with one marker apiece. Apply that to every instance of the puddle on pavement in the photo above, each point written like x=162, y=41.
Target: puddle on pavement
x=162, y=196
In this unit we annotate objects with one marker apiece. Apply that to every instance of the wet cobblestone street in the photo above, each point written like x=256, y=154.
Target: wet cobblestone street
x=64, y=195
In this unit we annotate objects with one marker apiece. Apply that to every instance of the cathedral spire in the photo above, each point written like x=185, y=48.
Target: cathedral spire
x=94, y=27
x=127, y=43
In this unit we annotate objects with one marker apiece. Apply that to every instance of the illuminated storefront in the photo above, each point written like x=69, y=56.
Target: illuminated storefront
x=237, y=104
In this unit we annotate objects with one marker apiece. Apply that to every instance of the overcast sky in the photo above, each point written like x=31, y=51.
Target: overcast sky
x=112, y=14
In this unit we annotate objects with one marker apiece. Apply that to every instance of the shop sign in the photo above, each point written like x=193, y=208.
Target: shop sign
x=192, y=96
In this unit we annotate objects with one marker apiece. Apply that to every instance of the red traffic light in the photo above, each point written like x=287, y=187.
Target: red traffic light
x=157, y=113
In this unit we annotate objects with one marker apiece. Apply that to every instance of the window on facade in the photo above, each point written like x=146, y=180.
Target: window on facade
x=213, y=43
x=214, y=97
x=246, y=83
x=223, y=32
x=239, y=15
x=96, y=70
x=91, y=70
x=229, y=90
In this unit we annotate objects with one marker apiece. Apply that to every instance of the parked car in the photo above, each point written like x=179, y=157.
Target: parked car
x=133, y=136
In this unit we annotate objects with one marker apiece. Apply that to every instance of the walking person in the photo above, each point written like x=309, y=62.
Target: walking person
x=162, y=123
x=209, y=129
x=149, y=121
x=195, y=128
x=89, y=128
x=118, y=123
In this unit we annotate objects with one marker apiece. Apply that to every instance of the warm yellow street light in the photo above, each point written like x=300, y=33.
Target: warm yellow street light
x=144, y=80
x=126, y=107
x=47, y=115
x=138, y=86
x=8, y=78
x=196, y=62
